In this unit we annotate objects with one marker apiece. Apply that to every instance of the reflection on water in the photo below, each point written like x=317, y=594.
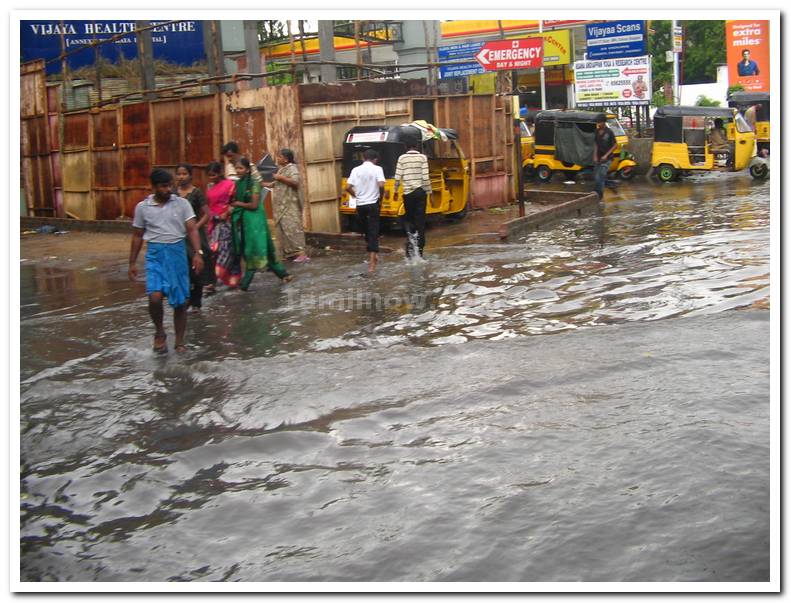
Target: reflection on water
x=328, y=430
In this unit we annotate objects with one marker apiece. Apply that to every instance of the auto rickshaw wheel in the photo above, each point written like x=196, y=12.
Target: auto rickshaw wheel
x=528, y=172
x=666, y=173
x=759, y=172
x=543, y=173
x=626, y=173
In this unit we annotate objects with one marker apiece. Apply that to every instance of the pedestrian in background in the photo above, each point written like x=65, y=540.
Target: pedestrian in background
x=219, y=194
x=412, y=173
x=366, y=184
x=164, y=220
x=251, y=238
x=230, y=152
x=287, y=208
x=186, y=190
x=603, y=149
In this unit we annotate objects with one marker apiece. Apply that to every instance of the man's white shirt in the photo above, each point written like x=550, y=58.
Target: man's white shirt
x=365, y=179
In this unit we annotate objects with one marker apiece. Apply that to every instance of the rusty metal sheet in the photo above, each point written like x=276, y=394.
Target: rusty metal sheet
x=34, y=136
x=32, y=90
x=57, y=174
x=54, y=132
x=108, y=205
x=199, y=178
x=167, y=138
x=53, y=98
x=79, y=205
x=248, y=129
x=311, y=94
x=130, y=198
x=76, y=172
x=135, y=124
x=106, y=169
x=200, y=119
x=76, y=131
x=105, y=129
x=319, y=142
x=136, y=168
x=30, y=182
x=482, y=123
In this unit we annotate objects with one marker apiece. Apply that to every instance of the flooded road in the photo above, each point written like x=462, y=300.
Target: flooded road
x=588, y=403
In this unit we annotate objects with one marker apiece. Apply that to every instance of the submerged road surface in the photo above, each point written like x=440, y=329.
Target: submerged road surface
x=589, y=403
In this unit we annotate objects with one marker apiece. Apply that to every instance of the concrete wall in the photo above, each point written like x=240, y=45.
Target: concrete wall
x=716, y=91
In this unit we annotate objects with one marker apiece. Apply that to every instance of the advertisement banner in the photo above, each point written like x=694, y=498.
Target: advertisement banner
x=613, y=82
x=457, y=52
x=557, y=51
x=747, y=46
x=557, y=46
x=180, y=42
x=615, y=39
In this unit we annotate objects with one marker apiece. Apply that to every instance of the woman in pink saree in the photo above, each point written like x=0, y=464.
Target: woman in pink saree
x=219, y=194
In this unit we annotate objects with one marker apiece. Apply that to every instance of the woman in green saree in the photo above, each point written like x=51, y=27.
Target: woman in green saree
x=251, y=238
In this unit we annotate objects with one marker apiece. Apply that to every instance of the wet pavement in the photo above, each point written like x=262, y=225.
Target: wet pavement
x=589, y=402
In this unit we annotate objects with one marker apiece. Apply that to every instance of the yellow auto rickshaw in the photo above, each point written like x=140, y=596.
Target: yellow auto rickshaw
x=564, y=143
x=448, y=169
x=760, y=100
x=683, y=143
x=527, y=126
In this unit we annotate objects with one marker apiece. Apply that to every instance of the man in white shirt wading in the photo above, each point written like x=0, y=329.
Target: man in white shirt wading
x=412, y=172
x=366, y=183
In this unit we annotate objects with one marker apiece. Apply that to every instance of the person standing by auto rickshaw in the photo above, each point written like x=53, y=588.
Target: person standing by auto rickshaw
x=604, y=147
x=412, y=172
x=366, y=183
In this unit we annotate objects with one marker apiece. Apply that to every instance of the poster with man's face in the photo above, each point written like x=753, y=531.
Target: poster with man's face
x=747, y=44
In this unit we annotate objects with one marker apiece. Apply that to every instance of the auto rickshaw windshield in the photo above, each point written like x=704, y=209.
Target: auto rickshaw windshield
x=741, y=124
x=615, y=126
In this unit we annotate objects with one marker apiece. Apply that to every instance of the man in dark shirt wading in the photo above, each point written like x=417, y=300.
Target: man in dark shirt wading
x=602, y=153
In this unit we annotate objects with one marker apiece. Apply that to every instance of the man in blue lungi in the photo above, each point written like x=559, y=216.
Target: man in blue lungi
x=164, y=221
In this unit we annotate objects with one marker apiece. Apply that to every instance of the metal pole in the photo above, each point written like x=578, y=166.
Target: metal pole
x=252, y=52
x=676, y=89
x=520, y=194
x=327, y=51
x=145, y=54
x=541, y=71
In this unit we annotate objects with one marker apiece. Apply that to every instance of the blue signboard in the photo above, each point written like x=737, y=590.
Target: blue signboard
x=615, y=39
x=458, y=52
x=180, y=42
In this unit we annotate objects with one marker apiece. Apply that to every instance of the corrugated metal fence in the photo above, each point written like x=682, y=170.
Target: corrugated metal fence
x=95, y=164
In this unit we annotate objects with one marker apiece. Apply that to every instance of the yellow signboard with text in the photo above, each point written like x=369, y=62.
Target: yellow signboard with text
x=557, y=46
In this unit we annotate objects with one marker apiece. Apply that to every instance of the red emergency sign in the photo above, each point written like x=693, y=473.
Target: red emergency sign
x=522, y=53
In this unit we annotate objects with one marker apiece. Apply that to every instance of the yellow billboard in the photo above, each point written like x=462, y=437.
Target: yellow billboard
x=557, y=46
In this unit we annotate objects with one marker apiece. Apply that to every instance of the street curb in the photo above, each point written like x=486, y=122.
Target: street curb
x=541, y=217
x=347, y=241
x=120, y=226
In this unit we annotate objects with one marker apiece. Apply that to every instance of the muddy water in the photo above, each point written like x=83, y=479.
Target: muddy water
x=589, y=403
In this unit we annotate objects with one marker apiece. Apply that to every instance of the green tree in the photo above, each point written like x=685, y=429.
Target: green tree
x=704, y=49
x=660, y=41
x=705, y=101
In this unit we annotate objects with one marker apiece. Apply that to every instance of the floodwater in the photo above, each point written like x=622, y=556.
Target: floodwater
x=588, y=403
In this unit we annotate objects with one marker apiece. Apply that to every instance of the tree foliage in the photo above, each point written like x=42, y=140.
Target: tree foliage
x=705, y=101
x=704, y=49
x=660, y=41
